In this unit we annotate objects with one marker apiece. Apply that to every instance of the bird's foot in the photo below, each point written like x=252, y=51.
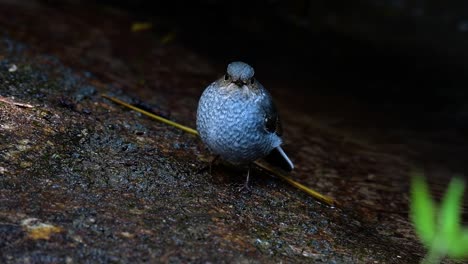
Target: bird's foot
x=244, y=188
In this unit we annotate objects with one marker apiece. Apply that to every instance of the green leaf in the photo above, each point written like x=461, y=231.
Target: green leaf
x=459, y=249
x=450, y=212
x=422, y=211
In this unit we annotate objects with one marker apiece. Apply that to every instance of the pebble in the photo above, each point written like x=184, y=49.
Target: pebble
x=13, y=68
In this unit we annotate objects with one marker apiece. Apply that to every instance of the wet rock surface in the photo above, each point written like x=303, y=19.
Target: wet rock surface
x=84, y=180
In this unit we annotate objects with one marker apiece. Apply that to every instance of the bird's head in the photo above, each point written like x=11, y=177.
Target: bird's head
x=240, y=73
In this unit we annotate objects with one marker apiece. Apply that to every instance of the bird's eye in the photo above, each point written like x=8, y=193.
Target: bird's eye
x=226, y=77
x=252, y=80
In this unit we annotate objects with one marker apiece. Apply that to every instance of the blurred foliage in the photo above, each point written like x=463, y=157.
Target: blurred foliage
x=439, y=229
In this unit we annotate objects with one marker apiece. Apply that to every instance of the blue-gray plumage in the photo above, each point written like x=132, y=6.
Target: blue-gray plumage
x=237, y=120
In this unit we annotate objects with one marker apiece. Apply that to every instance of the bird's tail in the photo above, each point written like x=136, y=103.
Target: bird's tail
x=279, y=158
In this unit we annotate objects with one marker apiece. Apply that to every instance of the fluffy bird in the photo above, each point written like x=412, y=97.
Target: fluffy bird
x=238, y=121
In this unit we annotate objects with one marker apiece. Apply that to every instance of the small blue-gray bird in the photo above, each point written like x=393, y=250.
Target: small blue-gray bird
x=237, y=120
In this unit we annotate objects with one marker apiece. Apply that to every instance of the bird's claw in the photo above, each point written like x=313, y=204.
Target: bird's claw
x=244, y=188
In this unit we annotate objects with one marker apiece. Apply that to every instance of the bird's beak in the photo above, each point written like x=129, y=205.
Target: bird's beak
x=239, y=83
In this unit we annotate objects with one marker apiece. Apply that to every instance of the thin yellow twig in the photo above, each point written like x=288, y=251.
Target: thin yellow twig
x=309, y=191
x=302, y=187
x=160, y=119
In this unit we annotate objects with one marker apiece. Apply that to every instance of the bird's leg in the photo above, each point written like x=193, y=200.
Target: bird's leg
x=213, y=161
x=246, y=186
x=208, y=167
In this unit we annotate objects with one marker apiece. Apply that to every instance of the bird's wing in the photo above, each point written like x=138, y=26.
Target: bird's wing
x=272, y=121
x=272, y=124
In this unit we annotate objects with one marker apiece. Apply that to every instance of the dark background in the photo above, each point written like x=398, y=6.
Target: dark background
x=405, y=58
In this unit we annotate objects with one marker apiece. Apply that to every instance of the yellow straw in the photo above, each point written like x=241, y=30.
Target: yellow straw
x=316, y=195
x=160, y=119
x=309, y=191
